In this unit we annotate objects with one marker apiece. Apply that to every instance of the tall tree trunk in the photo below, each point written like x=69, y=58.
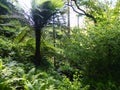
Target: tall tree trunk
x=68, y=15
x=37, y=48
x=54, y=38
x=78, y=21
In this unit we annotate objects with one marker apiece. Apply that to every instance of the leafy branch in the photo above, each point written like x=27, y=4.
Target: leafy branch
x=83, y=11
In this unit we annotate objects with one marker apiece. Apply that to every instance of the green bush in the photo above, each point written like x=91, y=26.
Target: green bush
x=22, y=52
x=14, y=76
x=95, y=52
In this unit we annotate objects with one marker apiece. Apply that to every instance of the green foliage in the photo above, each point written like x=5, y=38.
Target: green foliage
x=5, y=7
x=5, y=47
x=54, y=3
x=95, y=51
x=42, y=11
x=105, y=60
x=16, y=78
x=19, y=52
x=57, y=4
x=23, y=33
x=87, y=60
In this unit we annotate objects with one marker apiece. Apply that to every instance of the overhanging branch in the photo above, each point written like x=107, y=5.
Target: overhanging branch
x=75, y=9
x=83, y=11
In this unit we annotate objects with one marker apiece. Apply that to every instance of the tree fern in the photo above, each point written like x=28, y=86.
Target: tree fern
x=5, y=7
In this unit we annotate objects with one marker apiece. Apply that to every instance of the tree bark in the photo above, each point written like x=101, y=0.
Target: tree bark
x=68, y=15
x=38, y=57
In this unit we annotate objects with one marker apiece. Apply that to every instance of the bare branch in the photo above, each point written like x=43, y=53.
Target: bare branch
x=84, y=13
x=75, y=9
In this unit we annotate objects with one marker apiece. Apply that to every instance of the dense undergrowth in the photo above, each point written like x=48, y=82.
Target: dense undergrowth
x=86, y=61
x=17, y=71
x=87, y=58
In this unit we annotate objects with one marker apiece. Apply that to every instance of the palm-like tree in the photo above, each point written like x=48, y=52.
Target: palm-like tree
x=40, y=16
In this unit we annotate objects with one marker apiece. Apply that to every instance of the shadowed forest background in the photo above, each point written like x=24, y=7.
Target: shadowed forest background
x=39, y=50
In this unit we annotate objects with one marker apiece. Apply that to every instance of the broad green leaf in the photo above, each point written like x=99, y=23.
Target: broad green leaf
x=21, y=35
x=1, y=64
x=5, y=7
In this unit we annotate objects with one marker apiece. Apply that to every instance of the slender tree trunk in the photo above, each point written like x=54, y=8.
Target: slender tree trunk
x=78, y=20
x=37, y=48
x=68, y=22
x=54, y=39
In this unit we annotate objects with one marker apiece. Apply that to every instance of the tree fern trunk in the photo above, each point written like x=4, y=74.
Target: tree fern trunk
x=37, y=48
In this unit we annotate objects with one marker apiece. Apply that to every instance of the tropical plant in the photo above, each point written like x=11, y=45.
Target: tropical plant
x=41, y=14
